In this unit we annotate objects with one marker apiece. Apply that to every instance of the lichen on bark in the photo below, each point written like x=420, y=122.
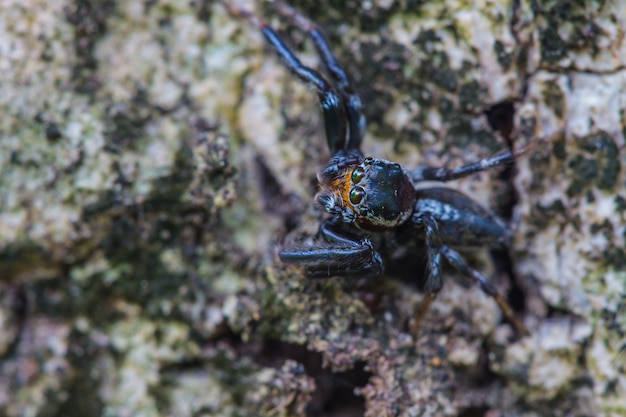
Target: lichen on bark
x=153, y=155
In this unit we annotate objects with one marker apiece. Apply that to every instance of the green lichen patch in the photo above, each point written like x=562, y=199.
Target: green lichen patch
x=505, y=57
x=575, y=29
x=89, y=19
x=599, y=164
x=135, y=222
x=471, y=97
x=620, y=203
x=552, y=46
x=462, y=135
x=384, y=62
x=554, y=98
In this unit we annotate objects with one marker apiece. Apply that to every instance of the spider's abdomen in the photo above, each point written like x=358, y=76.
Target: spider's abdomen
x=460, y=220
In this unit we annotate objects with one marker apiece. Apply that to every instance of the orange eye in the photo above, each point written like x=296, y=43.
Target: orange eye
x=357, y=175
x=356, y=195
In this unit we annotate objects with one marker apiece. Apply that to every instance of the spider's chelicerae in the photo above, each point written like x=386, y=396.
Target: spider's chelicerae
x=366, y=196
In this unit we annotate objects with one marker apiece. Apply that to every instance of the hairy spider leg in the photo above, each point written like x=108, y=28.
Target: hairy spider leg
x=349, y=255
x=351, y=100
x=433, y=268
x=332, y=107
x=503, y=158
x=335, y=120
x=435, y=250
x=457, y=261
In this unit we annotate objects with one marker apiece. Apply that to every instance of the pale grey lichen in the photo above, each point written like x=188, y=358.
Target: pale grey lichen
x=152, y=154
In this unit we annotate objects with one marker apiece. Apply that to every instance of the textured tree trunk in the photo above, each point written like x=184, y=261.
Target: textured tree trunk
x=153, y=155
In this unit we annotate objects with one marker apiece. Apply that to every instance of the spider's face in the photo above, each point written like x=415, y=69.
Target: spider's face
x=375, y=194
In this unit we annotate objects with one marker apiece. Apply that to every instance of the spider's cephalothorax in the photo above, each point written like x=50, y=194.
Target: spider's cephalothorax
x=370, y=195
x=373, y=194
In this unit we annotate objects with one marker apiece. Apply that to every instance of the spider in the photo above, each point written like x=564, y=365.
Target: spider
x=367, y=196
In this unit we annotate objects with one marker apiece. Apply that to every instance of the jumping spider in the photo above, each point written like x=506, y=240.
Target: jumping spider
x=366, y=195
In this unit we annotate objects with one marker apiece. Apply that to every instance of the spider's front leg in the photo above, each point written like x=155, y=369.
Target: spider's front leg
x=341, y=254
x=343, y=118
x=351, y=100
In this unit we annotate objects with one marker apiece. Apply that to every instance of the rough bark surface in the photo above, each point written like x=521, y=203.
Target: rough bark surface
x=154, y=154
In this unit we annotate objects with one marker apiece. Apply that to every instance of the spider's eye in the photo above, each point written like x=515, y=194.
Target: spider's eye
x=357, y=175
x=369, y=160
x=356, y=195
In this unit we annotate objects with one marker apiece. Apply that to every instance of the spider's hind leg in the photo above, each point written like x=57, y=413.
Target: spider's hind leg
x=457, y=261
x=436, y=249
x=433, y=279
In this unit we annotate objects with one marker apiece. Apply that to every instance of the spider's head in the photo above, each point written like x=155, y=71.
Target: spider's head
x=375, y=194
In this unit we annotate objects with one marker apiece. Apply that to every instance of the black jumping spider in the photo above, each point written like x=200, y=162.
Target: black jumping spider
x=366, y=195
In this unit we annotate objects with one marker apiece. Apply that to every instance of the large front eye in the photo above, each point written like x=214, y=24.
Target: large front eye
x=356, y=195
x=357, y=175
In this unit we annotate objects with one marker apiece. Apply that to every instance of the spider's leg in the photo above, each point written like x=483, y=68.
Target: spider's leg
x=343, y=254
x=328, y=261
x=351, y=100
x=367, y=268
x=503, y=158
x=449, y=174
x=332, y=107
x=457, y=261
x=436, y=249
x=433, y=272
x=335, y=120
